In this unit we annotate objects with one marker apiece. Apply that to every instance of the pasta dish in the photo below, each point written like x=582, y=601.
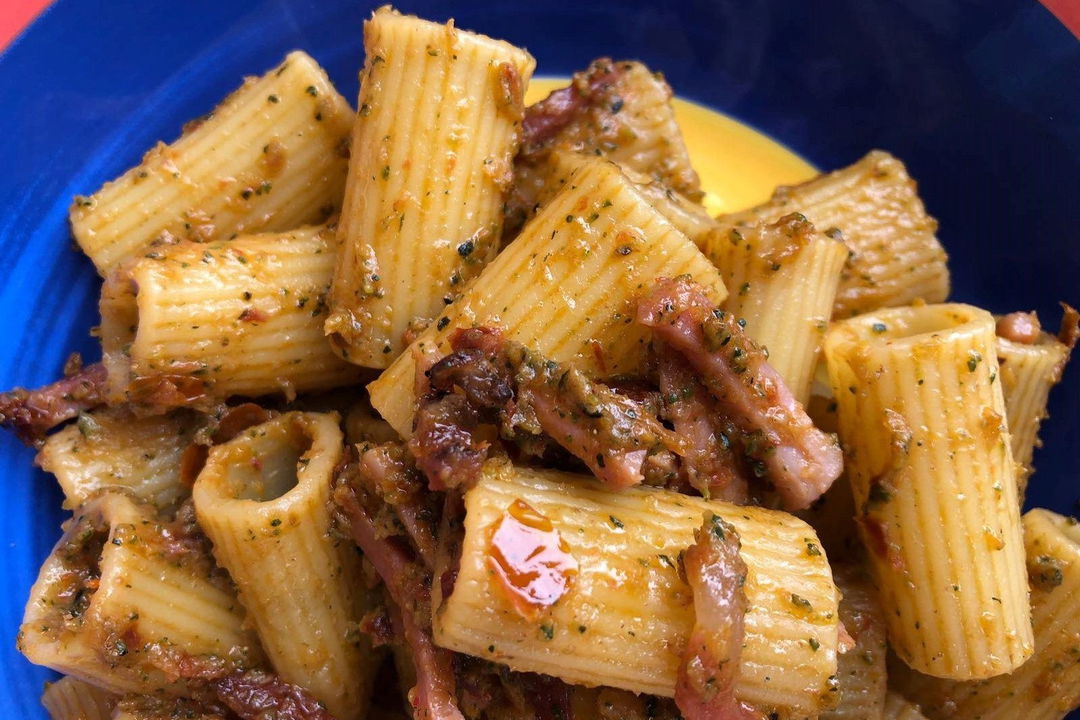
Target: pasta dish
x=456, y=406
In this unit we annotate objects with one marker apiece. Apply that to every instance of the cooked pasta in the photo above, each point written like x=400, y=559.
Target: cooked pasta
x=1046, y=687
x=71, y=699
x=927, y=451
x=114, y=449
x=594, y=636
x=1028, y=372
x=573, y=274
x=432, y=159
x=124, y=600
x=195, y=322
x=895, y=257
x=263, y=500
x=782, y=279
x=454, y=408
x=272, y=156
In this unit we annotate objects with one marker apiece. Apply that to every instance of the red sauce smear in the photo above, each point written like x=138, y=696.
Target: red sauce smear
x=531, y=559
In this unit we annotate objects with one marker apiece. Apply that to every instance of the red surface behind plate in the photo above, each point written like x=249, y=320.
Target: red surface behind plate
x=15, y=15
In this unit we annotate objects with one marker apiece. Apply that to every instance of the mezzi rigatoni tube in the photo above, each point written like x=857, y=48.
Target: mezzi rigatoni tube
x=124, y=600
x=1047, y=686
x=566, y=287
x=112, y=448
x=263, y=499
x=72, y=699
x=875, y=206
x=272, y=156
x=433, y=145
x=922, y=422
x=1028, y=372
x=198, y=322
x=782, y=279
x=626, y=615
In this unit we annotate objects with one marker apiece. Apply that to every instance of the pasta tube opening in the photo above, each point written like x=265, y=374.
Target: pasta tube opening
x=263, y=498
x=922, y=421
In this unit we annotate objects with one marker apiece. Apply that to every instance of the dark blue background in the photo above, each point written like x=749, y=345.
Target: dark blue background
x=980, y=99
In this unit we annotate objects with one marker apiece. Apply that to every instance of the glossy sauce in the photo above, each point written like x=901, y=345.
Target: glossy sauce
x=531, y=560
x=739, y=166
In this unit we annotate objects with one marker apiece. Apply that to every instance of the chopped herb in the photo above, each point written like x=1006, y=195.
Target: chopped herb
x=812, y=549
x=312, y=91
x=800, y=602
x=442, y=323
x=879, y=327
x=547, y=630
x=466, y=248
x=275, y=522
x=617, y=105
x=814, y=644
x=385, y=172
x=974, y=358
x=274, y=99
x=615, y=521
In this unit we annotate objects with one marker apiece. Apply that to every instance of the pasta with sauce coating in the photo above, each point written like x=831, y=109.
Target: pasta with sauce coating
x=432, y=153
x=195, y=322
x=263, y=500
x=573, y=273
x=591, y=636
x=272, y=156
x=923, y=427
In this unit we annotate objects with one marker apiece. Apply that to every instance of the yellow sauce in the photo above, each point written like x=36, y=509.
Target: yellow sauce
x=739, y=167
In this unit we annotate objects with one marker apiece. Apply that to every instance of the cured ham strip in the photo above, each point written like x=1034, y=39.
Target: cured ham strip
x=407, y=585
x=779, y=438
x=705, y=689
x=32, y=413
x=258, y=695
x=710, y=462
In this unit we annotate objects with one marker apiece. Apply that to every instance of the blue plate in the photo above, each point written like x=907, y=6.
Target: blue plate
x=982, y=101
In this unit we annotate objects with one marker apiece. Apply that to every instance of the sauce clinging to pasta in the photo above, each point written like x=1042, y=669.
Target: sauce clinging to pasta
x=739, y=166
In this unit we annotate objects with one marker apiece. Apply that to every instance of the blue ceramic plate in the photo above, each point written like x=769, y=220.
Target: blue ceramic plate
x=981, y=100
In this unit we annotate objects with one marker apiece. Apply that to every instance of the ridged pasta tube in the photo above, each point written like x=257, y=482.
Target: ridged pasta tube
x=263, y=498
x=782, y=279
x=210, y=320
x=71, y=699
x=1046, y=687
x=627, y=614
x=1028, y=372
x=922, y=421
x=122, y=601
x=432, y=158
x=114, y=449
x=566, y=286
x=873, y=204
x=272, y=156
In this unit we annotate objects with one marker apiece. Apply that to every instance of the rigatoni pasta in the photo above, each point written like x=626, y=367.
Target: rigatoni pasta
x=573, y=274
x=1046, y=687
x=273, y=156
x=123, y=600
x=632, y=539
x=927, y=450
x=196, y=322
x=263, y=500
x=782, y=279
x=72, y=699
x=433, y=148
x=895, y=257
x=113, y=449
x=1028, y=372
